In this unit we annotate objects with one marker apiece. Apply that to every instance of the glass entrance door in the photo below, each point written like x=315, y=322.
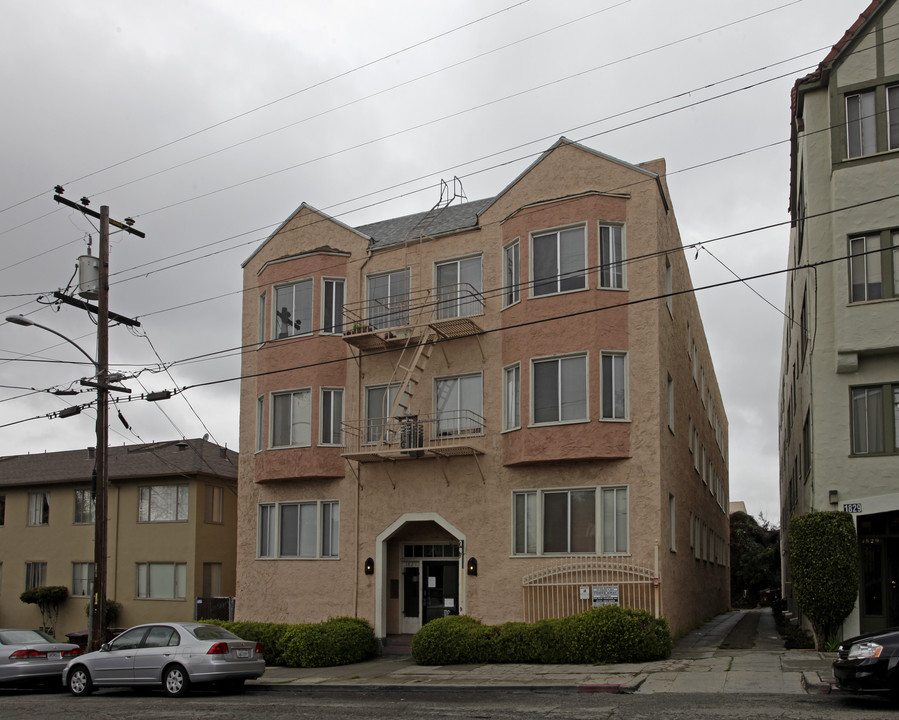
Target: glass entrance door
x=440, y=589
x=878, y=537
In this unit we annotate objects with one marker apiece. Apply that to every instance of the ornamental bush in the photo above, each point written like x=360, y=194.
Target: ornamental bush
x=823, y=552
x=48, y=598
x=609, y=634
x=338, y=641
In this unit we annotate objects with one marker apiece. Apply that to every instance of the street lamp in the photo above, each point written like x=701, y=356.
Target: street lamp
x=97, y=622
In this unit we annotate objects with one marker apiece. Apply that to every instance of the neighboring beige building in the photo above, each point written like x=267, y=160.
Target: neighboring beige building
x=839, y=403
x=171, y=532
x=504, y=408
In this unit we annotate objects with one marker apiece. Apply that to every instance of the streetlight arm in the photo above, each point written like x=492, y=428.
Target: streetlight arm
x=22, y=320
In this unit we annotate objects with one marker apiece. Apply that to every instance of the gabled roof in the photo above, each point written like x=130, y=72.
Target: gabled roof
x=125, y=462
x=303, y=206
x=451, y=219
x=822, y=72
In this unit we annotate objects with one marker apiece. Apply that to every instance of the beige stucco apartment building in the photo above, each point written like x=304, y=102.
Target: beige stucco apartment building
x=170, y=536
x=839, y=426
x=504, y=408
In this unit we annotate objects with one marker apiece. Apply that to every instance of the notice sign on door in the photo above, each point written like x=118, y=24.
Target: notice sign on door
x=605, y=595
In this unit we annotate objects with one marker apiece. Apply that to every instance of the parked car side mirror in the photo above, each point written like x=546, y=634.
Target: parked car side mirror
x=104, y=647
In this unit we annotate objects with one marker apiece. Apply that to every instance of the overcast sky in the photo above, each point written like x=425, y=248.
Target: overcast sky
x=209, y=122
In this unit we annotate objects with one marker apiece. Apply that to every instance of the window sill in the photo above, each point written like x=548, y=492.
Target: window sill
x=532, y=296
x=556, y=423
x=877, y=301
x=615, y=420
x=613, y=289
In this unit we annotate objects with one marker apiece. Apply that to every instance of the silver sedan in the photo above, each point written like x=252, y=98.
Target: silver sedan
x=32, y=656
x=168, y=655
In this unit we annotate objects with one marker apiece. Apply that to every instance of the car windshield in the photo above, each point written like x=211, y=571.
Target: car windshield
x=212, y=632
x=24, y=637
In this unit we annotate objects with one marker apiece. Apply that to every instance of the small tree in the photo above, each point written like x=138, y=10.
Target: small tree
x=823, y=552
x=48, y=598
x=754, y=558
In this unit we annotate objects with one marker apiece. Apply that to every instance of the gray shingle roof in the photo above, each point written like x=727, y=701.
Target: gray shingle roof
x=126, y=462
x=450, y=219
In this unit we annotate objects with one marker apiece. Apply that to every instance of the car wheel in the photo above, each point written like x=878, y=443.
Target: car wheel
x=80, y=682
x=175, y=681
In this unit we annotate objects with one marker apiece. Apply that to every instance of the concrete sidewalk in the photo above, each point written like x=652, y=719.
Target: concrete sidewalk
x=698, y=664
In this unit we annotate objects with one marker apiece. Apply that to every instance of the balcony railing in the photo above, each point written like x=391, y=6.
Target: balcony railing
x=378, y=323
x=408, y=437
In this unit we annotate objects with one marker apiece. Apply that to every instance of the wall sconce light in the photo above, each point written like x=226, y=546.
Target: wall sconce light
x=834, y=497
x=472, y=566
x=369, y=566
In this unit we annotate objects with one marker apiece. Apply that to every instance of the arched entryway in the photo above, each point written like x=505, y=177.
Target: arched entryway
x=419, y=574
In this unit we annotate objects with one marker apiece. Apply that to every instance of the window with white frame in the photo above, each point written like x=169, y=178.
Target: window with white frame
x=379, y=402
x=512, y=397
x=511, y=274
x=161, y=580
x=564, y=521
x=38, y=508
x=614, y=520
x=260, y=409
x=861, y=124
x=35, y=575
x=163, y=503
x=299, y=529
x=332, y=305
x=893, y=116
x=388, y=299
x=874, y=423
x=214, y=510
x=559, y=261
x=293, y=309
x=292, y=418
x=460, y=404
x=331, y=415
x=611, y=256
x=459, y=288
x=559, y=389
x=82, y=579
x=865, y=271
x=614, y=386
x=261, y=319
x=84, y=507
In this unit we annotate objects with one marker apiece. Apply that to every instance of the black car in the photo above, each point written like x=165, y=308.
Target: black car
x=869, y=663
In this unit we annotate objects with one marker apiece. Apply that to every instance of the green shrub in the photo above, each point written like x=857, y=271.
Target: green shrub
x=604, y=635
x=338, y=641
x=823, y=552
x=452, y=640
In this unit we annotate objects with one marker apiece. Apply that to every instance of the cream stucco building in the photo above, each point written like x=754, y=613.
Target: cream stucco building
x=172, y=516
x=839, y=403
x=504, y=408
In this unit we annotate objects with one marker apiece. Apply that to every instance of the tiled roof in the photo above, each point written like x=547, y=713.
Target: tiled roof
x=450, y=219
x=175, y=457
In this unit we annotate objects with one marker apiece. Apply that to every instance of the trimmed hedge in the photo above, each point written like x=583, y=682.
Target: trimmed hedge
x=609, y=634
x=338, y=641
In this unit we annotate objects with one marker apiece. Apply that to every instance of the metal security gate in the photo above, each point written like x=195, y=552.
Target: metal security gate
x=570, y=585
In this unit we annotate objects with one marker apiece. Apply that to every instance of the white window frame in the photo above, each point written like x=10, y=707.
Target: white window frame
x=512, y=273
x=461, y=298
x=85, y=507
x=299, y=430
x=38, y=509
x=332, y=323
x=868, y=263
x=454, y=420
x=530, y=506
x=392, y=309
x=563, y=361
x=612, y=273
x=82, y=579
x=561, y=274
x=376, y=425
x=865, y=439
x=331, y=423
x=290, y=330
x=261, y=319
x=861, y=124
x=150, y=512
x=260, y=424
x=512, y=397
x=326, y=531
x=35, y=574
x=144, y=573
x=622, y=413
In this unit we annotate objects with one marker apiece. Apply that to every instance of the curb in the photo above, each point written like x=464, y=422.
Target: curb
x=812, y=683
x=418, y=688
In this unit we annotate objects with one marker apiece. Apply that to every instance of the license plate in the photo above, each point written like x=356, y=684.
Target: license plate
x=54, y=656
x=243, y=652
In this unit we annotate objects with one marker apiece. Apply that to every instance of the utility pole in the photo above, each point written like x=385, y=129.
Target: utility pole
x=101, y=468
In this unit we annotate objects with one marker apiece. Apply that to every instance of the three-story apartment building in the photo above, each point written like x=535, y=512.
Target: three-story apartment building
x=504, y=408
x=839, y=425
